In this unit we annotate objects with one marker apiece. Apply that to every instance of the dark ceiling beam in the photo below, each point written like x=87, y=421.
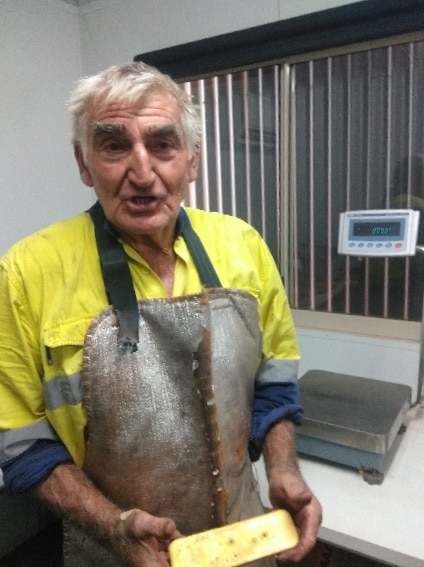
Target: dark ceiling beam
x=351, y=23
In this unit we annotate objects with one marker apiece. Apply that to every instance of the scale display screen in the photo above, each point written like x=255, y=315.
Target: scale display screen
x=386, y=232
x=388, y=229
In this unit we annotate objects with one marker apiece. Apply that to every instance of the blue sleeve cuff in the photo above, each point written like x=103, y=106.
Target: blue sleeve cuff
x=37, y=462
x=273, y=402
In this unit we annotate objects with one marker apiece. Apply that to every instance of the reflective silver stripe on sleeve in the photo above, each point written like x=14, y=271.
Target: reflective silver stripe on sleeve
x=63, y=390
x=277, y=371
x=14, y=442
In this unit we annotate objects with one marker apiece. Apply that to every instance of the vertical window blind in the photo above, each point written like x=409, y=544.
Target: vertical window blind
x=349, y=131
x=358, y=127
x=240, y=162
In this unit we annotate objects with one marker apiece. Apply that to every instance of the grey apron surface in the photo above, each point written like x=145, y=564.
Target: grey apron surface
x=169, y=424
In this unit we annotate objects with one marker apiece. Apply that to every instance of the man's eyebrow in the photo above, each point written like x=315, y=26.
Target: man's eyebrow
x=103, y=128
x=165, y=130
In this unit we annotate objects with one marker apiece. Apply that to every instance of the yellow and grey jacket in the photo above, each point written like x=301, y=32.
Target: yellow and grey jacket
x=51, y=287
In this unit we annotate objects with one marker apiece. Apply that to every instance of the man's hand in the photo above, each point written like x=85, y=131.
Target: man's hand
x=288, y=490
x=138, y=537
x=143, y=539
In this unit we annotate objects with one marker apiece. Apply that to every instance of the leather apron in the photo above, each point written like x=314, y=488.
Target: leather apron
x=169, y=423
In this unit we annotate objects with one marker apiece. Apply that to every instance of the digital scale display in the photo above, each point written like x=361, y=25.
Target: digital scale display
x=388, y=229
x=382, y=232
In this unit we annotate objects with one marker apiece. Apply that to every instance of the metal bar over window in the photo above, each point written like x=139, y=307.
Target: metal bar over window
x=205, y=167
x=311, y=147
x=247, y=146
x=231, y=151
x=329, y=184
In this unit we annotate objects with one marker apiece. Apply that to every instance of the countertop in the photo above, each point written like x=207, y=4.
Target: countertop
x=385, y=521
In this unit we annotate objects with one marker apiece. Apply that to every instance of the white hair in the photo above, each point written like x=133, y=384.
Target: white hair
x=129, y=83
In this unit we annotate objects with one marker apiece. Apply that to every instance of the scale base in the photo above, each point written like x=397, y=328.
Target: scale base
x=352, y=421
x=372, y=466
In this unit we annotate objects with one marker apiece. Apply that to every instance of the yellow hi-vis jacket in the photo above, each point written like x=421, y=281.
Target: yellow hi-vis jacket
x=51, y=288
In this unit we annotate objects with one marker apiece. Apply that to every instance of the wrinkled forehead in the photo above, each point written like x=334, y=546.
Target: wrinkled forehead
x=110, y=102
x=102, y=105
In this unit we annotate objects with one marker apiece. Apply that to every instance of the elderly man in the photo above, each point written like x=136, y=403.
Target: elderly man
x=147, y=350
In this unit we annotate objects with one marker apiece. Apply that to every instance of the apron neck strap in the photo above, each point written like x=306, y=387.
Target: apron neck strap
x=117, y=277
x=205, y=269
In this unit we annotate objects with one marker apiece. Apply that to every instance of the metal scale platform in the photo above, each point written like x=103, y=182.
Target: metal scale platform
x=351, y=420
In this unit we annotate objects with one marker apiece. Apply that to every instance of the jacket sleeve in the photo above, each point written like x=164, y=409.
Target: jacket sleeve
x=29, y=468
x=22, y=417
x=276, y=394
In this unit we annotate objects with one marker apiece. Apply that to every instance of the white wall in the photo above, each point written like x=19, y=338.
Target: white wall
x=40, y=59
x=113, y=31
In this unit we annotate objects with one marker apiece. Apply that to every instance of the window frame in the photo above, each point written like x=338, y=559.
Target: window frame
x=318, y=320
x=285, y=42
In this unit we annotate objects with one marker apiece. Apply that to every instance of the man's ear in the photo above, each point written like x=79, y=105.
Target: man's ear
x=194, y=164
x=83, y=170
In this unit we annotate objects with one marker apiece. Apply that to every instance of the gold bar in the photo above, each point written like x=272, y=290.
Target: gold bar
x=237, y=543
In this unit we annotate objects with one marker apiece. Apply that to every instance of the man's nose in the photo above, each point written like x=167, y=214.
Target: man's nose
x=141, y=166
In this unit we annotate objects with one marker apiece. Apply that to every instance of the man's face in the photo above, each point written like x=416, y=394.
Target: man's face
x=138, y=164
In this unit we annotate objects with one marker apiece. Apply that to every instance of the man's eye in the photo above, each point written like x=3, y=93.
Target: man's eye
x=114, y=146
x=162, y=146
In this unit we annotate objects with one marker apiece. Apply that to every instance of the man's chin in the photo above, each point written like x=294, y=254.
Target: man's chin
x=135, y=229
